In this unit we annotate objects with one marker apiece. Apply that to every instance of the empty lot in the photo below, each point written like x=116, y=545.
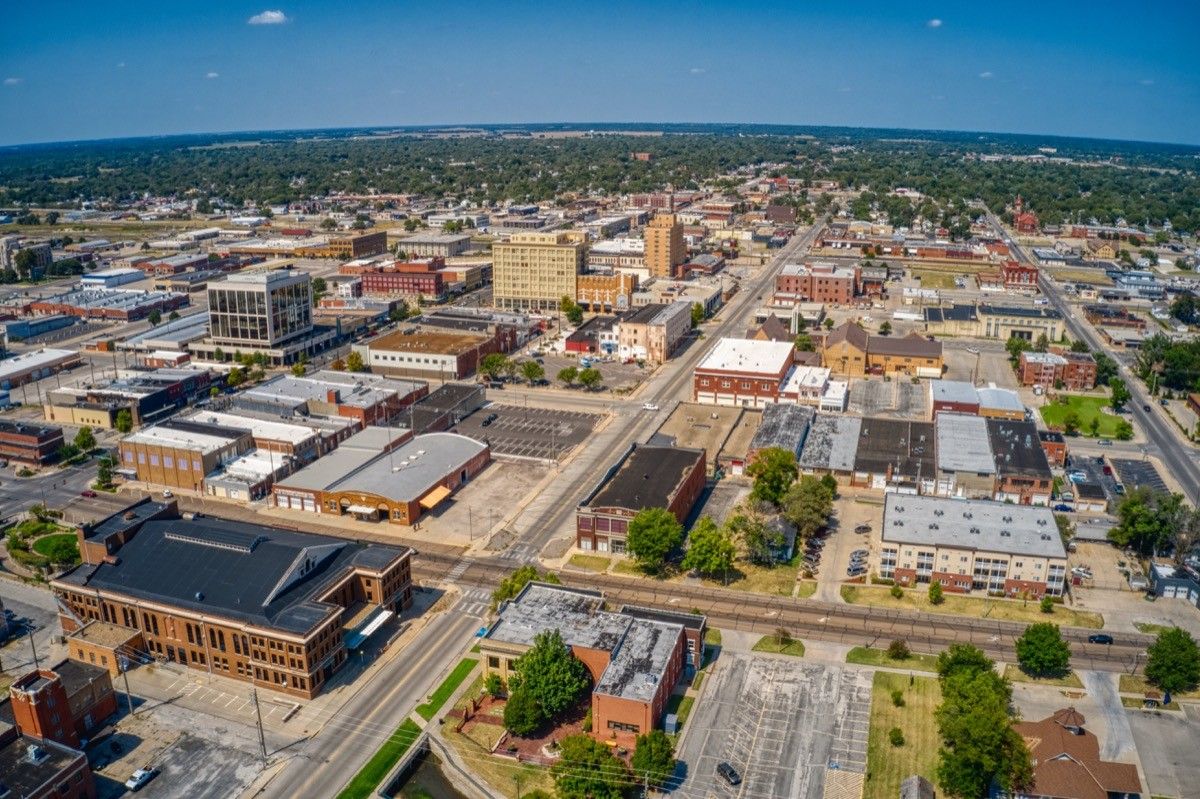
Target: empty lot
x=782, y=723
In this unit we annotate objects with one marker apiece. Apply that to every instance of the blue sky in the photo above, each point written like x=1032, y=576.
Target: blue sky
x=84, y=70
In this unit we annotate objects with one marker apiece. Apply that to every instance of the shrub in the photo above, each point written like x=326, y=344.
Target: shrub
x=936, y=596
x=897, y=591
x=896, y=736
x=494, y=686
x=898, y=650
x=898, y=697
x=1047, y=605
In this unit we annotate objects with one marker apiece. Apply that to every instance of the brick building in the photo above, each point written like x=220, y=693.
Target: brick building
x=35, y=444
x=825, y=283
x=1022, y=472
x=433, y=354
x=850, y=350
x=653, y=332
x=420, y=280
x=645, y=477
x=743, y=372
x=259, y=604
x=635, y=656
x=665, y=251
x=63, y=703
x=1075, y=371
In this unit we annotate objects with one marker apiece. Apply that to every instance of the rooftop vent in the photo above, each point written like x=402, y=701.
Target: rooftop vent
x=1005, y=534
x=975, y=530
x=1007, y=518
x=199, y=596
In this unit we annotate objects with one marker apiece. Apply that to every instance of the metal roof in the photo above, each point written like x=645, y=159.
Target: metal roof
x=974, y=524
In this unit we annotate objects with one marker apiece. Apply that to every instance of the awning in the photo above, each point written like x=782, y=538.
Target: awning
x=362, y=509
x=434, y=497
x=357, y=637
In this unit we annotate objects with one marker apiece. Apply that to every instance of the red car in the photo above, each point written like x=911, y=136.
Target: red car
x=88, y=493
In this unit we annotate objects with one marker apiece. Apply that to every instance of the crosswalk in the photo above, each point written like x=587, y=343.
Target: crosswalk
x=459, y=570
x=474, y=602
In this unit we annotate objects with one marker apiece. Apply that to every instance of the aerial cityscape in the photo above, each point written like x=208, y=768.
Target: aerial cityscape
x=599, y=402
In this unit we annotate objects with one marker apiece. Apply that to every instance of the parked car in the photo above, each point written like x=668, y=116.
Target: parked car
x=1105, y=442
x=140, y=778
x=649, y=406
x=1063, y=508
x=859, y=553
x=491, y=417
x=1146, y=408
x=729, y=774
x=89, y=493
x=856, y=571
x=862, y=529
x=1100, y=638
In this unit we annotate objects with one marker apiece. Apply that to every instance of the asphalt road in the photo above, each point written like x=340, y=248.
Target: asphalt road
x=1158, y=432
x=57, y=487
x=329, y=759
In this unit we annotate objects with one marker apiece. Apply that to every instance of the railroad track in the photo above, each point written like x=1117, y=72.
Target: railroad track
x=855, y=625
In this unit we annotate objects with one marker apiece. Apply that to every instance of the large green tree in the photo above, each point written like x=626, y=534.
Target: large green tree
x=554, y=677
x=1119, y=393
x=588, y=769
x=653, y=760
x=493, y=365
x=532, y=371
x=1173, y=661
x=958, y=658
x=773, y=470
x=979, y=744
x=514, y=583
x=1042, y=652
x=653, y=534
x=522, y=713
x=759, y=540
x=1148, y=520
x=710, y=548
x=807, y=504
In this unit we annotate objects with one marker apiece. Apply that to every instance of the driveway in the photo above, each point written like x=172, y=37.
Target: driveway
x=1117, y=742
x=1167, y=745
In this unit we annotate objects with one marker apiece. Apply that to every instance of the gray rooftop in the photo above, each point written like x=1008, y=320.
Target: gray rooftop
x=784, y=426
x=963, y=445
x=405, y=474
x=953, y=391
x=975, y=524
x=641, y=647
x=832, y=443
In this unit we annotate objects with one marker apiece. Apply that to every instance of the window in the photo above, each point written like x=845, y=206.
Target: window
x=493, y=662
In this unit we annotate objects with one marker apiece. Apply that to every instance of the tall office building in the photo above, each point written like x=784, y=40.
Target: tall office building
x=261, y=308
x=534, y=271
x=665, y=252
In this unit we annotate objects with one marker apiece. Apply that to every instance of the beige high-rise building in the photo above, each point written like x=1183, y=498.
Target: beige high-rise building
x=664, y=245
x=534, y=271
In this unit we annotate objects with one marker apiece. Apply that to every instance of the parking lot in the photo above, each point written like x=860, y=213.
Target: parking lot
x=528, y=432
x=1166, y=744
x=1138, y=473
x=1094, y=471
x=616, y=375
x=898, y=398
x=783, y=724
x=989, y=366
x=190, y=768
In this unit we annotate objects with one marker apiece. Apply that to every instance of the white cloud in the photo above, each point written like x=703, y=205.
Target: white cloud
x=697, y=70
x=211, y=75
x=268, y=18
x=11, y=81
x=121, y=65
x=1147, y=81
x=986, y=75
x=934, y=23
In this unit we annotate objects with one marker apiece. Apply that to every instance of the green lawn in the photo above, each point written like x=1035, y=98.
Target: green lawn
x=888, y=765
x=593, y=563
x=1087, y=408
x=712, y=637
x=1151, y=629
x=681, y=706
x=1136, y=684
x=43, y=544
x=1016, y=674
x=866, y=656
x=769, y=643
x=367, y=779
x=982, y=607
x=438, y=698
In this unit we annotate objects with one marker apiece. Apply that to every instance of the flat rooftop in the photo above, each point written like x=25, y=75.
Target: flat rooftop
x=294, y=434
x=962, y=444
x=716, y=429
x=648, y=477
x=435, y=342
x=184, y=434
x=748, y=356
x=24, y=777
x=831, y=443
x=37, y=359
x=103, y=634
x=1018, y=449
x=956, y=391
x=784, y=426
x=975, y=524
x=906, y=448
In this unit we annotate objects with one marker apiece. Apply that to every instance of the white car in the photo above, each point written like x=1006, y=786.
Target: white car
x=649, y=406
x=140, y=778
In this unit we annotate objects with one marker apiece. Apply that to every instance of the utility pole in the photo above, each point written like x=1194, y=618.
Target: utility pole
x=262, y=741
x=36, y=665
x=517, y=779
x=128, y=695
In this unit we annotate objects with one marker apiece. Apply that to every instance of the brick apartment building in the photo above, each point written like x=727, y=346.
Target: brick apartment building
x=1075, y=371
x=825, y=283
x=421, y=280
x=968, y=544
x=263, y=605
x=635, y=656
x=665, y=251
x=645, y=477
x=743, y=372
x=34, y=444
x=63, y=703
